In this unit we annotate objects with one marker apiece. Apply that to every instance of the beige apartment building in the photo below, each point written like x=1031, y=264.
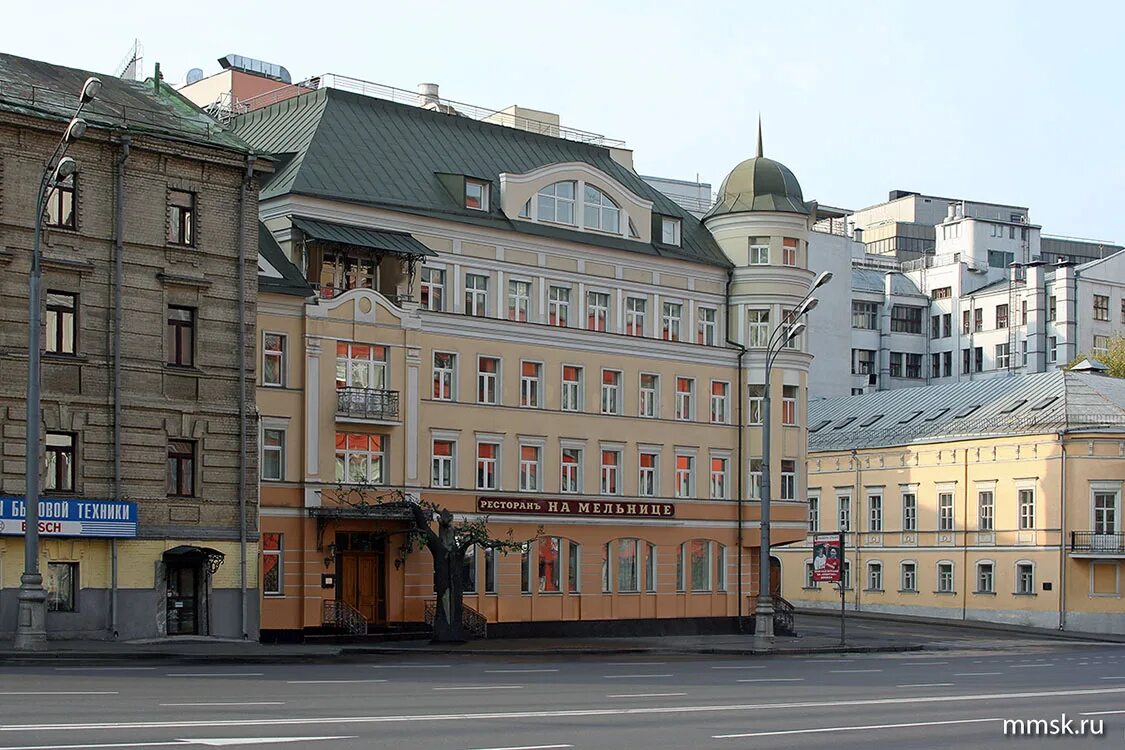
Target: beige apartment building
x=997, y=500
x=148, y=521
x=515, y=326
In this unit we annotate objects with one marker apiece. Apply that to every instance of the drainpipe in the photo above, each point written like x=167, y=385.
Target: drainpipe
x=242, y=436
x=857, y=518
x=1062, y=535
x=741, y=397
x=118, y=281
x=965, y=538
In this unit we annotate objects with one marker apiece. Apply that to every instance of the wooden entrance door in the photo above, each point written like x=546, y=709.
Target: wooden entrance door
x=775, y=577
x=362, y=584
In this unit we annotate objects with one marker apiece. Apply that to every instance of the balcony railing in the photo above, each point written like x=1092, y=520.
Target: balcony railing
x=367, y=403
x=1095, y=542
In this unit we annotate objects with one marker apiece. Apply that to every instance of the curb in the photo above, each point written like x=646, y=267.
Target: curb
x=980, y=625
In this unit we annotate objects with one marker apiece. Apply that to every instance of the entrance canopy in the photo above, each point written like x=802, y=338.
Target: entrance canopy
x=189, y=554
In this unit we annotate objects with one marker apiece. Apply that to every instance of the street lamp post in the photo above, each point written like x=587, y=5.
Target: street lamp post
x=782, y=335
x=31, y=618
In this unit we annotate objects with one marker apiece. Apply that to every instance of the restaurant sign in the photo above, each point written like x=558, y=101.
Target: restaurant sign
x=70, y=517
x=575, y=507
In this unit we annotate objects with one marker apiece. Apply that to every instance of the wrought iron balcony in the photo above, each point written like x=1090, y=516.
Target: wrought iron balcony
x=1098, y=543
x=367, y=403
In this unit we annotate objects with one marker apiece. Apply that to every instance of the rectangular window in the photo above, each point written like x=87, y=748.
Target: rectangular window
x=181, y=218
x=685, y=397
x=670, y=318
x=1003, y=356
x=1023, y=312
x=1105, y=512
x=597, y=311
x=611, y=392
x=490, y=571
x=896, y=365
x=935, y=326
x=273, y=359
x=573, y=565
x=1001, y=316
x=757, y=396
x=863, y=361
x=1101, y=307
x=719, y=391
x=945, y=578
x=361, y=458
x=874, y=512
x=1052, y=308
x=611, y=472
x=909, y=511
x=571, y=388
x=909, y=576
x=942, y=292
x=947, y=364
x=60, y=211
x=519, y=300
x=978, y=359
x=945, y=511
x=181, y=336
x=699, y=551
x=759, y=251
x=1101, y=346
x=1026, y=509
x=647, y=484
x=62, y=586
x=627, y=565
x=814, y=514
x=476, y=295
x=62, y=323
x=59, y=474
x=670, y=231
x=685, y=475
x=273, y=455
x=946, y=325
x=488, y=458
x=433, y=289
x=875, y=576
x=570, y=471
x=914, y=366
x=707, y=326
x=530, y=464
x=966, y=321
x=718, y=478
x=1052, y=349
x=488, y=380
x=789, y=405
x=789, y=251
x=441, y=474
x=757, y=328
x=844, y=511
x=906, y=319
x=469, y=570
x=985, y=510
x=361, y=366
x=650, y=568
x=531, y=384
x=525, y=568
x=558, y=306
x=476, y=195
x=865, y=315
x=1025, y=578
x=986, y=579
x=445, y=371
x=550, y=564
x=273, y=581
x=181, y=468
x=635, y=309
x=788, y=480
x=935, y=365
x=978, y=319
x=650, y=395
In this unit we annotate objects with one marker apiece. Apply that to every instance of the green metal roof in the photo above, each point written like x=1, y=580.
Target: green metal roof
x=398, y=243
x=760, y=184
x=344, y=146
x=290, y=280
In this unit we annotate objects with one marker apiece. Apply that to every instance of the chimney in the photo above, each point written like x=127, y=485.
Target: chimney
x=428, y=95
x=950, y=212
x=857, y=234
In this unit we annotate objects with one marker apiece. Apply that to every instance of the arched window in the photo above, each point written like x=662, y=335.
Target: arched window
x=599, y=211
x=555, y=203
x=701, y=566
x=629, y=566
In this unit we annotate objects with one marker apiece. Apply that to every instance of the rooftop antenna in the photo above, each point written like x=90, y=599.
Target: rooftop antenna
x=130, y=66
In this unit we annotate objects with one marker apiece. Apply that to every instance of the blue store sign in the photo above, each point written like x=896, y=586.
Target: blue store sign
x=66, y=517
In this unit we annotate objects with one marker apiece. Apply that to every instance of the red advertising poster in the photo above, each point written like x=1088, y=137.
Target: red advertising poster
x=828, y=557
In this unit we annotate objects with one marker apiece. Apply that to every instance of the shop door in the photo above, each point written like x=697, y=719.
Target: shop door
x=183, y=599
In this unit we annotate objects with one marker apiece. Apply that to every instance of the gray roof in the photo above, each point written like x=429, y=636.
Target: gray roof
x=867, y=280
x=290, y=281
x=397, y=243
x=1026, y=404
x=344, y=146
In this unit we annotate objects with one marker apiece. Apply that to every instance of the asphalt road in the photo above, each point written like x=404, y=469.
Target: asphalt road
x=947, y=699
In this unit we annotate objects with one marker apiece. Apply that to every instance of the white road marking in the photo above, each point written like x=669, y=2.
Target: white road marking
x=852, y=671
x=517, y=671
x=521, y=747
x=60, y=692
x=632, y=676
x=1028, y=666
x=213, y=742
x=1100, y=713
x=645, y=695
x=327, y=682
x=482, y=687
x=260, y=703
x=214, y=674
x=927, y=684
x=975, y=674
x=104, y=669
x=557, y=713
x=1113, y=678
x=742, y=667
x=776, y=679
x=921, y=663
x=864, y=728
x=411, y=666
x=635, y=663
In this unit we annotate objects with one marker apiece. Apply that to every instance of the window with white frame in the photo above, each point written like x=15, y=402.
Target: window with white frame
x=1026, y=509
x=755, y=477
x=1101, y=307
x=611, y=391
x=670, y=231
x=433, y=289
x=531, y=384
x=488, y=380
x=1101, y=345
x=1052, y=349
x=647, y=480
x=875, y=513
x=476, y=194
x=445, y=368
x=361, y=365
x=273, y=359
x=789, y=405
x=360, y=458
x=627, y=554
x=573, y=566
x=685, y=475
x=611, y=472
x=757, y=397
x=814, y=514
x=695, y=561
x=519, y=300
x=476, y=295
x=757, y=328
x=273, y=555
x=865, y=315
x=718, y=478
x=1105, y=510
x=649, y=395
x=685, y=397
x=847, y=576
x=986, y=578
x=759, y=251
x=597, y=311
x=570, y=470
x=986, y=507
x=558, y=306
x=875, y=576
x=571, y=388
x=599, y=211
x=908, y=576
x=273, y=454
x=789, y=251
x=788, y=480
x=945, y=577
x=909, y=511
x=530, y=467
x=707, y=326
x=555, y=203
x=650, y=568
x=1025, y=578
x=635, y=309
x=720, y=567
x=945, y=511
x=844, y=512
x=719, y=402
x=670, y=318
x=441, y=468
x=1003, y=356
x=488, y=459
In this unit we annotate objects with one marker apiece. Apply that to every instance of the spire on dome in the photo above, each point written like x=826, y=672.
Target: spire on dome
x=759, y=154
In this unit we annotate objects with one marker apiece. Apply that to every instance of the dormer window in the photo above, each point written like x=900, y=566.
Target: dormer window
x=600, y=212
x=555, y=203
x=670, y=231
x=476, y=194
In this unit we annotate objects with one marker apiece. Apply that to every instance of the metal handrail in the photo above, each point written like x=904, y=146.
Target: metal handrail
x=471, y=620
x=342, y=615
x=1095, y=541
x=367, y=403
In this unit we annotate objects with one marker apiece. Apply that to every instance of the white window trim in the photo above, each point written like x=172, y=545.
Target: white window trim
x=882, y=576
x=486, y=194
x=656, y=396
x=449, y=437
x=902, y=569
x=531, y=442
x=952, y=577
x=498, y=441
x=276, y=423
x=976, y=578
x=499, y=380
x=1102, y=487
x=1016, y=578
x=284, y=359
x=541, y=395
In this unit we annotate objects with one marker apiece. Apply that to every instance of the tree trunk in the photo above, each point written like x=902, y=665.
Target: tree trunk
x=448, y=587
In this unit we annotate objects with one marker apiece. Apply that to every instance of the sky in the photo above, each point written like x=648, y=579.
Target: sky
x=1011, y=102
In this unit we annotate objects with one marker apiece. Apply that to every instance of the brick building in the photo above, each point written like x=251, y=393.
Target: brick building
x=144, y=252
